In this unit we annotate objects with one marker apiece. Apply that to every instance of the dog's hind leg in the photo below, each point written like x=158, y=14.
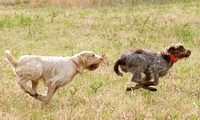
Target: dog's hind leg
x=141, y=82
x=22, y=82
x=46, y=99
x=137, y=86
x=34, y=87
x=137, y=77
x=155, y=75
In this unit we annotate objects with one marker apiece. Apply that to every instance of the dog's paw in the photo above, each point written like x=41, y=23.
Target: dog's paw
x=39, y=97
x=33, y=95
x=152, y=88
x=120, y=74
x=37, y=94
x=130, y=89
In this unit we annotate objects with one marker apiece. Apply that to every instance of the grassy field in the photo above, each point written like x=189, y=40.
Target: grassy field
x=59, y=31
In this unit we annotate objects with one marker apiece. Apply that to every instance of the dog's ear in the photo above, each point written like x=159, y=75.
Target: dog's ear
x=82, y=57
x=170, y=49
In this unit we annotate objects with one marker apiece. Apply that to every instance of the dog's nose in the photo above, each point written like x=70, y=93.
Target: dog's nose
x=101, y=58
x=189, y=51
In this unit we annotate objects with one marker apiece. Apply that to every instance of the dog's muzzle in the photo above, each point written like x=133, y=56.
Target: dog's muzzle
x=94, y=66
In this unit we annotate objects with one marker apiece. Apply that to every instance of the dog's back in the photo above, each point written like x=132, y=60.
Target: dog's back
x=139, y=57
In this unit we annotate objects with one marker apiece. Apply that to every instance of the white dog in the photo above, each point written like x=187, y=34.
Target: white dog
x=54, y=71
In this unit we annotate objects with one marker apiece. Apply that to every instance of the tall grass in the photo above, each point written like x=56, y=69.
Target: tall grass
x=64, y=31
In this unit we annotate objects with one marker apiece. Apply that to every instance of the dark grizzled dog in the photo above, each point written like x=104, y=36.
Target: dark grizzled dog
x=152, y=64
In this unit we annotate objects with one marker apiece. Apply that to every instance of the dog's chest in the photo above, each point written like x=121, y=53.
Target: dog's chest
x=163, y=67
x=163, y=73
x=163, y=70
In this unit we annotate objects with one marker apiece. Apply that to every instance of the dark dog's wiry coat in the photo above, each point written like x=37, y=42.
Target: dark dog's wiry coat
x=152, y=64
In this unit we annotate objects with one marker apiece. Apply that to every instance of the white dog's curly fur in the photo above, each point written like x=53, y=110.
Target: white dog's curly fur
x=54, y=71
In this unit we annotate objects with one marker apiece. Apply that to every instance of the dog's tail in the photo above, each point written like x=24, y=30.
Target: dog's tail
x=120, y=61
x=10, y=58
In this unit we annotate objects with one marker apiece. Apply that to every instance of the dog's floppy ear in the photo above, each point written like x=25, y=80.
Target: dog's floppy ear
x=82, y=57
x=170, y=49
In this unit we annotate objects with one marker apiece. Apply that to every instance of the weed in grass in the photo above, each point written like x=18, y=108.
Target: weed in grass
x=44, y=114
x=105, y=113
x=7, y=85
x=193, y=117
x=53, y=13
x=175, y=115
x=73, y=91
x=33, y=114
x=95, y=86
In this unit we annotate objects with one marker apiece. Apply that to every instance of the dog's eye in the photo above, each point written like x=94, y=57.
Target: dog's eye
x=92, y=55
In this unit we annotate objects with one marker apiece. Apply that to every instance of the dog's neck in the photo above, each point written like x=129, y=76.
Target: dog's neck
x=78, y=64
x=170, y=60
x=173, y=58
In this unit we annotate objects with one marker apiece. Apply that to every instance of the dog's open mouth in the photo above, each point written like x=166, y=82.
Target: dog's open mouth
x=93, y=66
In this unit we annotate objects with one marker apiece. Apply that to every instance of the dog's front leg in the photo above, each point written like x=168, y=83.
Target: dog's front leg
x=51, y=91
x=155, y=75
x=46, y=99
x=52, y=88
x=53, y=85
x=137, y=77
